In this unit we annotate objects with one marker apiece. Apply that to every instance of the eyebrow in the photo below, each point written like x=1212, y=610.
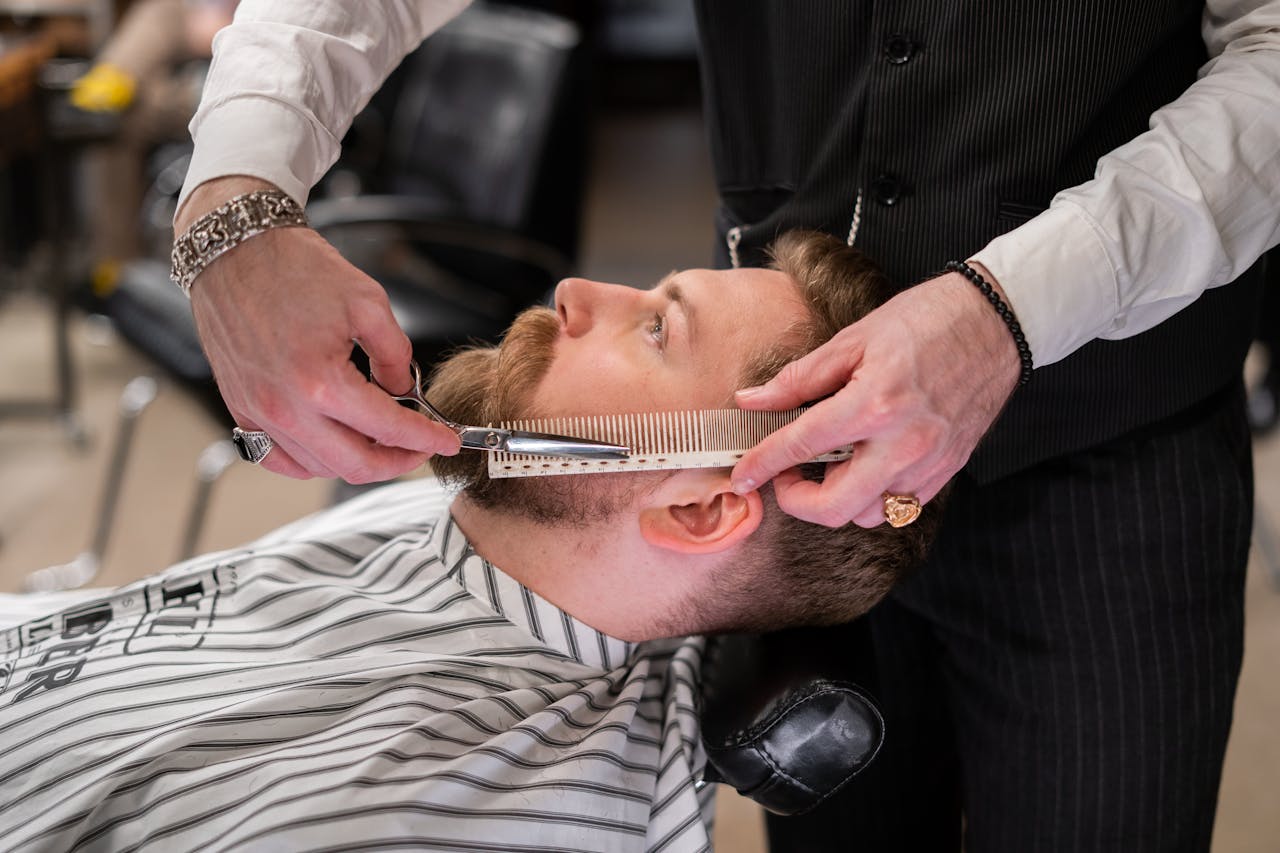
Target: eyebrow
x=676, y=294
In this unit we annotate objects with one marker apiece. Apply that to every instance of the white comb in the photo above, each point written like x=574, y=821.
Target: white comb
x=713, y=438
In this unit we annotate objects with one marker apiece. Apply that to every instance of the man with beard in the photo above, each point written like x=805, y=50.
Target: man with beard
x=483, y=674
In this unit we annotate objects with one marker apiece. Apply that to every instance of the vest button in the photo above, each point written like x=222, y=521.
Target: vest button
x=898, y=48
x=887, y=189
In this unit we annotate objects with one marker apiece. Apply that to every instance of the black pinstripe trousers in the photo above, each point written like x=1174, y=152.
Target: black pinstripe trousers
x=1060, y=676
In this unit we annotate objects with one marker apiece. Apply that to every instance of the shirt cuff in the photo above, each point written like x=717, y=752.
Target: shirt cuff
x=259, y=138
x=1058, y=279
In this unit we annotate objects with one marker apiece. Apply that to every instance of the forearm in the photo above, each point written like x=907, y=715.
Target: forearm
x=1186, y=206
x=145, y=44
x=288, y=77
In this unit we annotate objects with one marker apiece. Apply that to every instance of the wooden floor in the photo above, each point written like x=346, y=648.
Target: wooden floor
x=649, y=210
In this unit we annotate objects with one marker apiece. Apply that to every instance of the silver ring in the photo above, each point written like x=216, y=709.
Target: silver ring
x=253, y=445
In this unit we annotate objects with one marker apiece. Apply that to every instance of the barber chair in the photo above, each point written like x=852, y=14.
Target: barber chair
x=784, y=720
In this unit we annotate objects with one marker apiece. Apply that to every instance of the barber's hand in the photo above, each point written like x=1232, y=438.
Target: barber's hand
x=914, y=386
x=277, y=316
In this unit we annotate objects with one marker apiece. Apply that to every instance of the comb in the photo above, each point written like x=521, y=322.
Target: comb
x=712, y=438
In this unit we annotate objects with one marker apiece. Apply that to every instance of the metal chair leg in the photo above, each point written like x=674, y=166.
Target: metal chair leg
x=213, y=461
x=137, y=396
x=1264, y=536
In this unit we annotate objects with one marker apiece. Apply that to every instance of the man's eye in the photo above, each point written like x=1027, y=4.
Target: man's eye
x=658, y=329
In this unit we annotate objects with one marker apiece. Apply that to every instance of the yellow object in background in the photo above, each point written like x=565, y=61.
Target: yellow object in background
x=105, y=89
x=104, y=277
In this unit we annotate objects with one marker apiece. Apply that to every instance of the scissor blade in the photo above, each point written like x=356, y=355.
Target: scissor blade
x=547, y=444
x=539, y=444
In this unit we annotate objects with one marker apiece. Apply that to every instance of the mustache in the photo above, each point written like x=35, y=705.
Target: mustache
x=486, y=384
x=524, y=357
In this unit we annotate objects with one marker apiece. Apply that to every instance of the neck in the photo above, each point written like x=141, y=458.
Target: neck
x=604, y=575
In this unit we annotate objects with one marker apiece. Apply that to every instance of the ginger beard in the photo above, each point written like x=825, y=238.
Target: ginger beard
x=486, y=385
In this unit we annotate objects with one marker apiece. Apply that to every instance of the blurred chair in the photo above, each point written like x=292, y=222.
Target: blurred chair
x=474, y=211
x=462, y=195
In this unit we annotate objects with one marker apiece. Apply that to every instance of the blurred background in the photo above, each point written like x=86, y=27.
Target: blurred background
x=525, y=142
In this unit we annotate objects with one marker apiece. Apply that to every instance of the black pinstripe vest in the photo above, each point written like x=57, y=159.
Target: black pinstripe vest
x=958, y=121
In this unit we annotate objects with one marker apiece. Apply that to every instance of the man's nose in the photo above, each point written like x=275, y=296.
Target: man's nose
x=584, y=304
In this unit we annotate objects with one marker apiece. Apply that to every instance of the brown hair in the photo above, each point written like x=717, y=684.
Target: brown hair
x=793, y=572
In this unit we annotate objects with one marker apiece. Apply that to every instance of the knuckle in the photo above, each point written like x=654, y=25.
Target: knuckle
x=273, y=412
x=359, y=475
x=953, y=460
x=369, y=302
x=393, y=435
x=833, y=517
x=401, y=348
x=790, y=374
x=413, y=435
x=879, y=412
x=918, y=444
x=824, y=510
x=828, y=518
x=295, y=472
x=317, y=392
x=797, y=448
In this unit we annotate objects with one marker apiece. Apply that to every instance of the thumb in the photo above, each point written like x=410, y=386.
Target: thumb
x=817, y=431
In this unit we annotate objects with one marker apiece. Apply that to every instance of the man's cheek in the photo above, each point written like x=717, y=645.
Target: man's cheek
x=594, y=382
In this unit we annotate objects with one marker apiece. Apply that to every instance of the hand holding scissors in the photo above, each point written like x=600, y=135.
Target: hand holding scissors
x=494, y=439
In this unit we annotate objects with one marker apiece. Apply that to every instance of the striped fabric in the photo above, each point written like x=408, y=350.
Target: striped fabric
x=1062, y=671
x=359, y=680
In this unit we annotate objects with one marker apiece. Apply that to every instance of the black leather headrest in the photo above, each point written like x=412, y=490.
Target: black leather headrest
x=782, y=720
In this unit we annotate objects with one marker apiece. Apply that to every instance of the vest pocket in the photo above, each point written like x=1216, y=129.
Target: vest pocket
x=740, y=218
x=1011, y=214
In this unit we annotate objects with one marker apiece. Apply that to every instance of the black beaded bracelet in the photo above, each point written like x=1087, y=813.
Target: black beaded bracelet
x=1005, y=312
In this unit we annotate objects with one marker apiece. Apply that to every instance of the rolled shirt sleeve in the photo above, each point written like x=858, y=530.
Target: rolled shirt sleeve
x=289, y=76
x=1188, y=205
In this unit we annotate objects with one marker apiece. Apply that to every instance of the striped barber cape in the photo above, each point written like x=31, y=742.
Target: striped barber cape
x=358, y=680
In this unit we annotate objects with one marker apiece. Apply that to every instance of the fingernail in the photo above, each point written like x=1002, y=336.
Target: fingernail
x=748, y=393
x=741, y=487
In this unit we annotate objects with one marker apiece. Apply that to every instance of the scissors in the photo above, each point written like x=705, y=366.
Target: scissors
x=512, y=440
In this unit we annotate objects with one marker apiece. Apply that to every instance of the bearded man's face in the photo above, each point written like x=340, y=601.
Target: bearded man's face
x=610, y=349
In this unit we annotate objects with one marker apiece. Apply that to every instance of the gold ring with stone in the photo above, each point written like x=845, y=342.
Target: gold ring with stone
x=900, y=510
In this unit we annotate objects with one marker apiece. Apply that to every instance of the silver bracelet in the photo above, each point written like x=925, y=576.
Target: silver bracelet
x=226, y=227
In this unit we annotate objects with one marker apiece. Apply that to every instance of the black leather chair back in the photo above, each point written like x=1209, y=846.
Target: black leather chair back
x=477, y=113
x=476, y=197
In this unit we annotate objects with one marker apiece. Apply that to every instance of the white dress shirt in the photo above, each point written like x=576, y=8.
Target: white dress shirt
x=1188, y=205
x=361, y=679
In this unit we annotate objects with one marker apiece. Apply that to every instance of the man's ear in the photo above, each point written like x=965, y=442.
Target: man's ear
x=697, y=512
